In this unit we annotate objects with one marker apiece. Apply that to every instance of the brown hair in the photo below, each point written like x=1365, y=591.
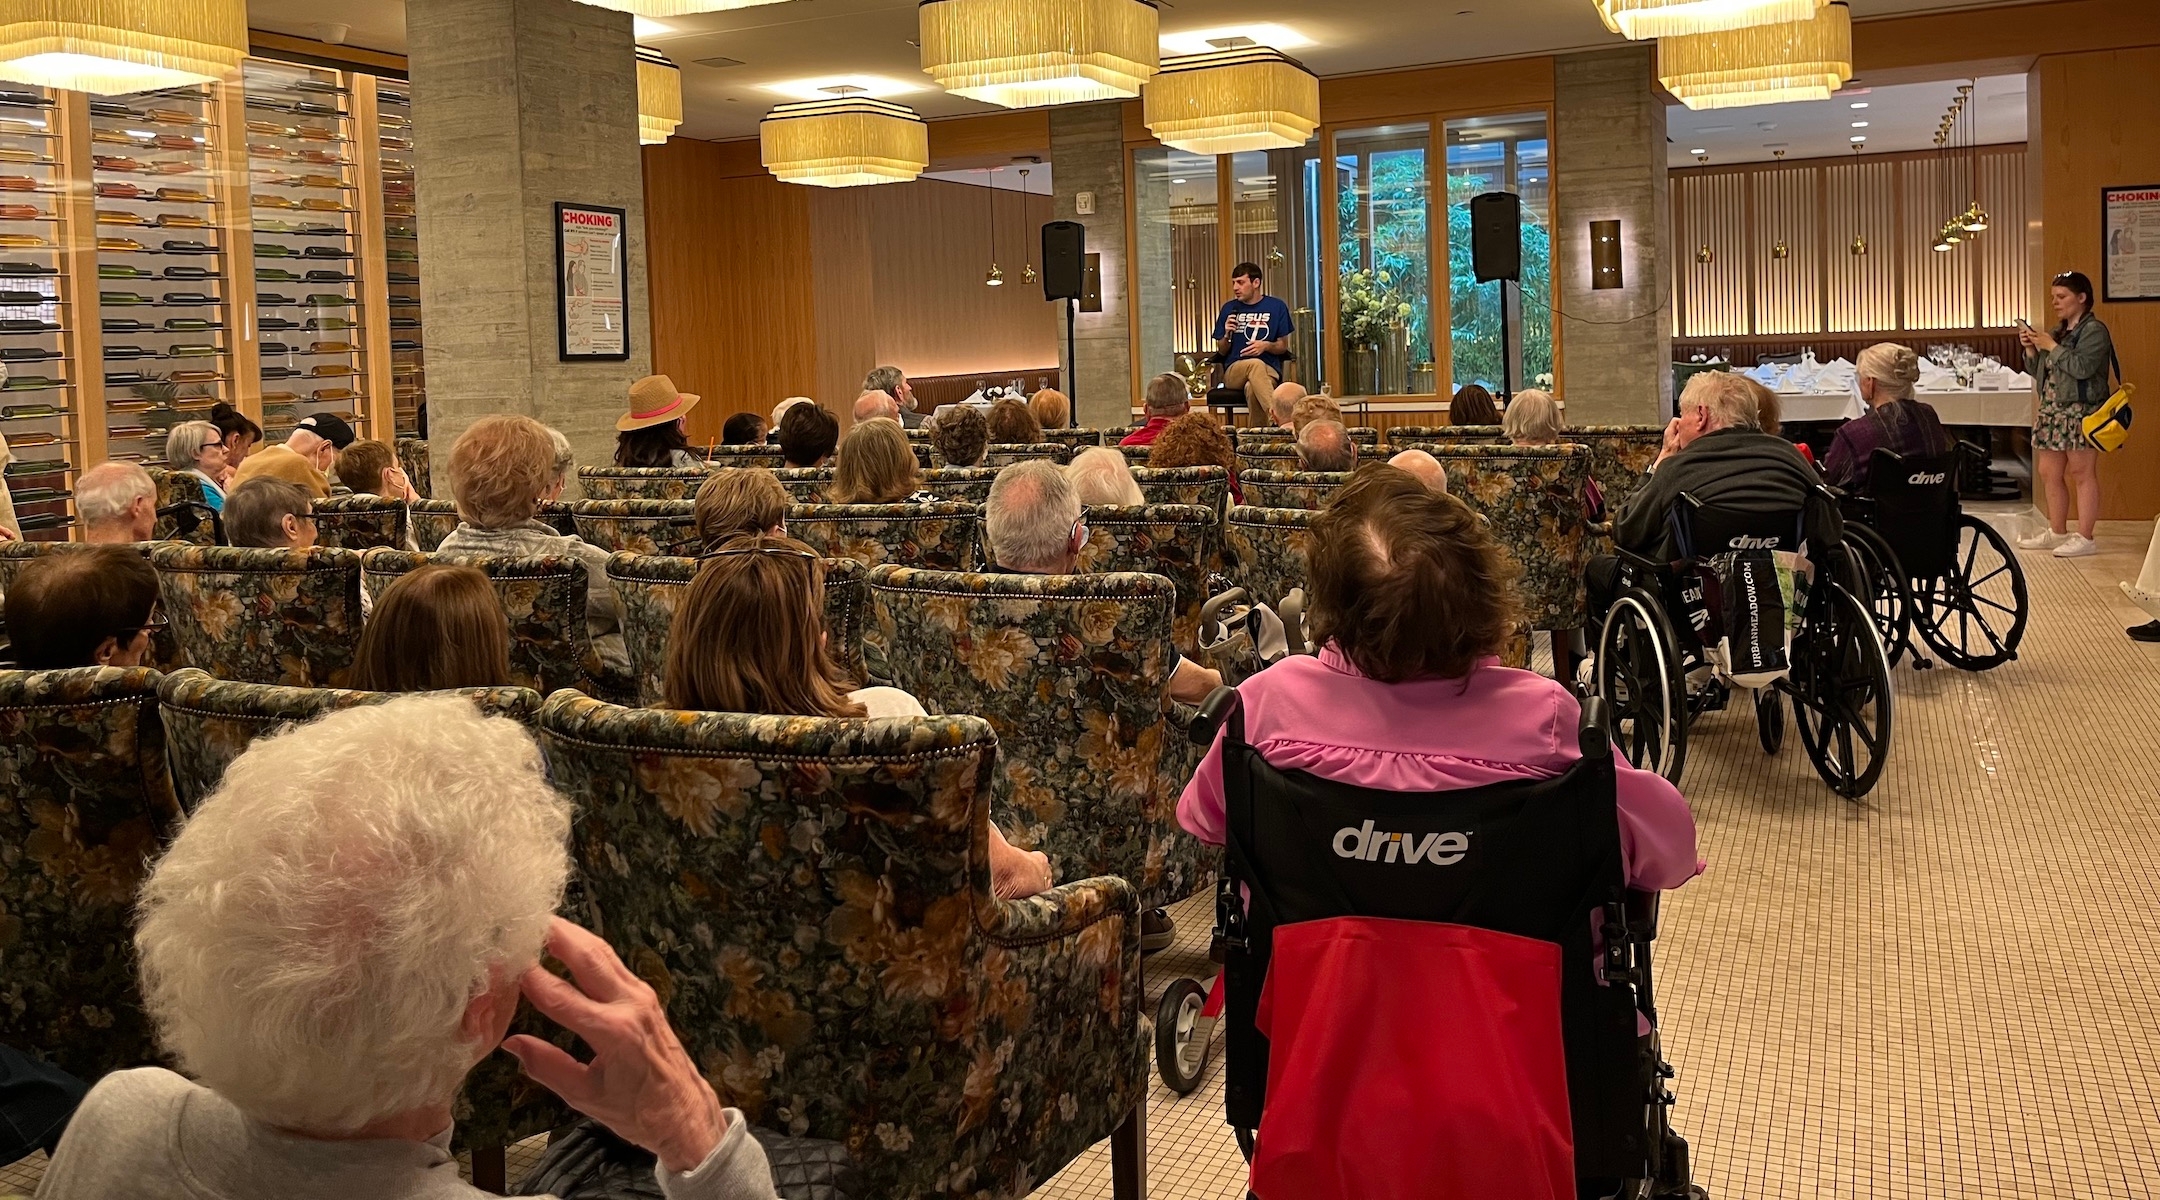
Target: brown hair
x=1012, y=424
x=1472, y=405
x=440, y=626
x=876, y=465
x=1051, y=408
x=807, y=435
x=1314, y=408
x=739, y=500
x=360, y=466
x=63, y=605
x=255, y=511
x=1193, y=440
x=1769, y=410
x=499, y=467
x=749, y=632
x=1408, y=583
x=959, y=437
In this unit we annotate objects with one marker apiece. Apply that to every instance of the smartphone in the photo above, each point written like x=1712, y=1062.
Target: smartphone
x=2022, y=323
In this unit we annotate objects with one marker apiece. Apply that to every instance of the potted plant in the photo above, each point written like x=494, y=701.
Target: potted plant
x=1371, y=311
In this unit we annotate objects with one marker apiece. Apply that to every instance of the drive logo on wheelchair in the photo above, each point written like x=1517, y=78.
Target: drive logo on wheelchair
x=1439, y=849
x=1928, y=478
x=1744, y=542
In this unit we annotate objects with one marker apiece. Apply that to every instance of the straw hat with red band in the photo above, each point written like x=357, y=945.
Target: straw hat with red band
x=654, y=401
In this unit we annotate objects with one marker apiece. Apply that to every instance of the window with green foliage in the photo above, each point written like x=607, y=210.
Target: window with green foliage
x=1384, y=259
x=1499, y=154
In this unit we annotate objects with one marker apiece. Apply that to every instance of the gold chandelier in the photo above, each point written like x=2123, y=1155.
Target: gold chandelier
x=1763, y=64
x=1640, y=20
x=674, y=8
x=846, y=142
x=1032, y=53
x=111, y=47
x=1232, y=101
x=659, y=97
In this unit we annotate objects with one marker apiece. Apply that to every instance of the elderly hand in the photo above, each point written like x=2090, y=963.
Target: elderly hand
x=1672, y=441
x=640, y=1083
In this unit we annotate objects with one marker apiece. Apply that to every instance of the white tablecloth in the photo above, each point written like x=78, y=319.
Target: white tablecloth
x=2005, y=407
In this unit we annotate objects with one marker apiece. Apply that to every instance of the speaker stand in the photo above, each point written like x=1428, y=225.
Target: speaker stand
x=1507, y=341
x=1072, y=367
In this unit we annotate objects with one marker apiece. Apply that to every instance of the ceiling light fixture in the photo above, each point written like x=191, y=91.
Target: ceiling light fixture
x=666, y=8
x=113, y=47
x=1640, y=20
x=1859, y=124
x=1232, y=101
x=1698, y=150
x=659, y=97
x=825, y=87
x=1857, y=138
x=1858, y=104
x=994, y=277
x=1034, y=53
x=1027, y=274
x=1763, y=64
x=1205, y=41
x=845, y=142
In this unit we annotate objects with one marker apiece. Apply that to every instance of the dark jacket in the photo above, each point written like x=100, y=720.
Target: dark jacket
x=1742, y=469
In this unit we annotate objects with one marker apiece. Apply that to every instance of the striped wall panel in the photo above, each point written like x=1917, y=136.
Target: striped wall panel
x=2006, y=267
x=1717, y=290
x=1788, y=290
x=1861, y=289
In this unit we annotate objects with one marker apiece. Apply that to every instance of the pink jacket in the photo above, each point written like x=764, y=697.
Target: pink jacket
x=1321, y=716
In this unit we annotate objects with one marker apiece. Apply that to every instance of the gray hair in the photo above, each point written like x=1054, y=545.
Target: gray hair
x=1894, y=368
x=565, y=457
x=1100, y=475
x=1030, y=515
x=1168, y=395
x=1533, y=416
x=186, y=441
x=105, y=492
x=1725, y=397
x=884, y=379
x=1325, y=446
x=311, y=941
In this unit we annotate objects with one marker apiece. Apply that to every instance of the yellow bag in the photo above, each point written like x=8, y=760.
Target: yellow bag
x=2108, y=426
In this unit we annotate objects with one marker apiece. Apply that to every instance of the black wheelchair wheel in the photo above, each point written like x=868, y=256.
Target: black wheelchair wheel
x=1840, y=685
x=1638, y=674
x=1770, y=720
x=1882, y=588
x=1175, y=1017
x=1974, y=614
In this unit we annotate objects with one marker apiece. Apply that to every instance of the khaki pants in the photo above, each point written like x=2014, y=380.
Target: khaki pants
x=1258, y=380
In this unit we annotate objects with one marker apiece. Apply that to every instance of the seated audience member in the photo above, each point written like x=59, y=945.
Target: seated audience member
x=743, y=429
x=308, y=451
x=440, y=626
x=116, y=502
x=1196, y=440
x=1284, y=402
x=499, y=469
x=1472, y=405
x=1422, y=467
x=871, y=405
x=1012, y=424
x=241, y=434
x=652, y=433
x=807, y=435
x=270, y=514
x=1895, y=420
x=370, y=468
x=1533, y=419
x=1310, y=408
x=780, y=410
x=1167, y=398
x=198, y=448
x=564, y=468
x=877, y=466
x=742, y=500
x=1326, y=446
x=391, y=918
x=894, y=382
x=1101, y=475
x=1769, y=411
x=90, y=608
x=1051, y=408
x=960, y=436
x=749, y=637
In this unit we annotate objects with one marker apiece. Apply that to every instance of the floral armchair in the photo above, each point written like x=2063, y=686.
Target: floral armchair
x=1249, y=436
x=1265, y=456
x=85, y=804
x=939, y=535
x=1135, y=456
x=1405, y=437
x=967, y=485
x=1180, y=542
x=805, y=485
x=1005, y=454
x=1075, y=440
x=1266, y=550
x=651, y=585
x=413, y=456
x=647, y=483
x=1620, y=457
x=1291, y=489
x=1072, y=671
x=1208, y=487
x=1532, y=498
x=811, y=900
x=544, y=598
x=639, y=526
x=361, y=522
x=262, y=616
x=432, y=521
x=744, y=456
x=183, y=508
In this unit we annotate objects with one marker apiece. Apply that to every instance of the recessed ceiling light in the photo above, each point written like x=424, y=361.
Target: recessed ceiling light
x=645, y=27
x=1860, y=104
x=876, y=87
x=1859, y=124
x=1860, y=138
x=1177, y=181
x=1698, y=150
x=1203, y=41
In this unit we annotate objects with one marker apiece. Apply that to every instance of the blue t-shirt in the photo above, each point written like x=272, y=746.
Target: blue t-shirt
x=1264, y=320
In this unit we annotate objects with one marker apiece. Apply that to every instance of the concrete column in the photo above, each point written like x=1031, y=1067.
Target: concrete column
x=518, y=104
x=1087, y=154
x=1608, y=156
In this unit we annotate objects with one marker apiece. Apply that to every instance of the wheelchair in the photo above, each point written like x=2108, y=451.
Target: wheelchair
x=1659, y=677
x=1928, y=567
x=1541, y=1082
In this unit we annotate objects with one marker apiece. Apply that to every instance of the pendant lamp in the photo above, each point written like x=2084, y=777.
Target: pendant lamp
x=1232, y=101
x=112, y=47
x=659, y=97
x=1641, y=20
x=1033, y=53
x=847, y=142
x=1763, y=64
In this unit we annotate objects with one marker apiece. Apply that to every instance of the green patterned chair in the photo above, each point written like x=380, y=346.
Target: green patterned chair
x=1265, y=549
x=85, y=804
x=805, y=485
x=1248, y=436
x=1135, y=456
x=432, y=521
x=1072, y=671
x=14, y=556
x=208, y=722
x=361, y=522
x=810, y=897
x=1531, y=496
x=1620, y=457
x=544, y=598
x=1291, y=489
x=967, y=485
x=1180, y=542
x=939, y=535
x=1075, y=439
x=639, y=526
x=1005, y=454
x=413, y=456
x=183, y=508
x=650, y=585
x=645, y=483
x=1404, y=437
x=744, y=456
x=263, y=616
x=1266, y=456
x=1208, y=487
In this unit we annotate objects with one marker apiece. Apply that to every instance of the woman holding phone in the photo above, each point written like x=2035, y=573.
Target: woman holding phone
x=2069, y=368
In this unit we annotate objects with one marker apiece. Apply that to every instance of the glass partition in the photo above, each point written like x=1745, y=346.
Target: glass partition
x=1276, y=197
x=1384, y=260
x=1180, y=261
x=1499, y=154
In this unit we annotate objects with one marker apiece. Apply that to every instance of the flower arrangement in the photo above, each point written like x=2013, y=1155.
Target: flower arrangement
x=1369, y=306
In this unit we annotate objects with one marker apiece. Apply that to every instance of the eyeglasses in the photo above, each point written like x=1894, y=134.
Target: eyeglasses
x=155, y=622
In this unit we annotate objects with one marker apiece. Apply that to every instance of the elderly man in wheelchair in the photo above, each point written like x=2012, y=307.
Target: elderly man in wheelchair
x=1730, y=571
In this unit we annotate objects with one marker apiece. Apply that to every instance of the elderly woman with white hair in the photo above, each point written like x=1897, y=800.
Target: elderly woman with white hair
x=199, y=449
x=327, y=952
x=1102, y=476
x=1533, y=418
x=1895, y=421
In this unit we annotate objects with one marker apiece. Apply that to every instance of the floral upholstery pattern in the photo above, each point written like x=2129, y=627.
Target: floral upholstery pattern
x=1135, y=456
x=968, y=485
x=412, y=455
x=184, y=512
x=811, y=900
x=1532, y=498
x=805, y=485
x=263, y=616
x=650, y=586
x=1208, y=487
x=1005, y=454
x=1075, y=439
x=744, y=456
x=432, y=521
x=1180, y=542
x=639, y=526
x=544, y=598
x=1250, y=436
x=14, y=556
x=1291, y=489
x=1620, y=457
x=647, y=483
x=1265, y=456
x=939, y=535
x=85, y=804
x=1071, y=670
x=1406, y=437
x=1266, y=550
x=360, y=522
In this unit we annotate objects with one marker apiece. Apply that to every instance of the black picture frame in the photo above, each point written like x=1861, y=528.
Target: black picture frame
x=562, y=315
x=2107, y=271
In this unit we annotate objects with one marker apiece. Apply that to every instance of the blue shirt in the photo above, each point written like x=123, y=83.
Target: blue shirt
x=1264, y=320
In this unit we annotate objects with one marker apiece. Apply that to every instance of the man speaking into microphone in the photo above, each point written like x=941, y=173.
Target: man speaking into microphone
x=1252, y=332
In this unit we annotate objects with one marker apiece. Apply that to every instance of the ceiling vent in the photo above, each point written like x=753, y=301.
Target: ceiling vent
x=717, y=62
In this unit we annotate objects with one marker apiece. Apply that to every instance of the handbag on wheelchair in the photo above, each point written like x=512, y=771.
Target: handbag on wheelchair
x=1744, y=594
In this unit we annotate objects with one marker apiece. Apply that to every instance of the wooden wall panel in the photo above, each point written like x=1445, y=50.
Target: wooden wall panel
x=930, y=247
x=846, y=299
x=2005, y=257
x=1861, y=289
x=1715, y=219
x=1939, y=290
x=1788, y=291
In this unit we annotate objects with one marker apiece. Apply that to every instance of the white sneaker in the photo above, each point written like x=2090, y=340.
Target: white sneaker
x=2046, y=539
x=2077, y=545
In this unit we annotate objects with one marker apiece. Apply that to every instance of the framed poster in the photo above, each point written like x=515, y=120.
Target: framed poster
x=590, y=321
x=2130, y=243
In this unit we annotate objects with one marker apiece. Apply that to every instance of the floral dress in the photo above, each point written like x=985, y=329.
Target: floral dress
x=2072, y=381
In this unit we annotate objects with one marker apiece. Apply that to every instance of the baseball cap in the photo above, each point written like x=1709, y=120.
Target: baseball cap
x=330, y=428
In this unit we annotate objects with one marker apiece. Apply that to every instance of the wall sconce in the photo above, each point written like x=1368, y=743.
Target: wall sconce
x=1780, y=249
x=1703, y=254
x=1605, y=255
x=1859, y=246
